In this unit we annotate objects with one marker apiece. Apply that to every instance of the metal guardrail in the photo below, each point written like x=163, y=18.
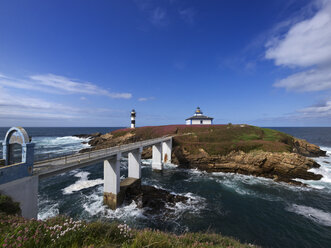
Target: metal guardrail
x=98, y=154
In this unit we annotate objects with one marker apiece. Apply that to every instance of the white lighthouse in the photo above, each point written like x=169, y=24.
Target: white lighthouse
x=199, y=119
x=133, y=118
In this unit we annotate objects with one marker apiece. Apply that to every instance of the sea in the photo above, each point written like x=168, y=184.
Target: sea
x=251, y=209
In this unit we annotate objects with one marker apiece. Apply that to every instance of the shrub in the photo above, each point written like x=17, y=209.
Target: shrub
x=8, y=206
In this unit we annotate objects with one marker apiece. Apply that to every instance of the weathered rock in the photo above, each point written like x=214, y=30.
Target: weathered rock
x=147, y=153
x=153, y=200
x=93, y=135
x=278, y=166
x=306, y=149
x=96, y=141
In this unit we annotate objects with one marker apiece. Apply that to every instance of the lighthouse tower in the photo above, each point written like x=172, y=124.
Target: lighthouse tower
x=133, y=118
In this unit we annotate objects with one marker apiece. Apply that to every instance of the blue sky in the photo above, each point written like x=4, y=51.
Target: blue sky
x=88, y=63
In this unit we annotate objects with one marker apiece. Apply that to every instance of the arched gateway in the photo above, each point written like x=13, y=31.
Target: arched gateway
x=16, y=177
x=17, y=139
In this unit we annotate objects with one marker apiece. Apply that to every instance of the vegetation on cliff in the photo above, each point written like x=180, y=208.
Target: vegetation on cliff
x=215, y=139
x=65, y=232
x=241, y=149
x=8, y=206
x=15, y=231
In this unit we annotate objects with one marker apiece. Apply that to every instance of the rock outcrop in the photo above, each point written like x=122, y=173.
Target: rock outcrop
x=239, y=149
x=278, y=166
x=93, y=135
x=306, y=149
x=154, y=201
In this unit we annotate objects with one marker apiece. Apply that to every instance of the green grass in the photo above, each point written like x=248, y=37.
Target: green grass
x=249, y=136
x=64, y=232
x=217, y=139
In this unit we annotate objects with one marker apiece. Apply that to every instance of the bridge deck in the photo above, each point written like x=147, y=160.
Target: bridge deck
x=47, y=168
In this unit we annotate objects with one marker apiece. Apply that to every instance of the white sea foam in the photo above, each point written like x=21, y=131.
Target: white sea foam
x=194, y=205
x=325, y=170
x=50, y=210
x=146, y=162
x=59, y=144
x=82, y=183
x=316, y=215
x=170, y=166
x=244, y=184
x=94, y=207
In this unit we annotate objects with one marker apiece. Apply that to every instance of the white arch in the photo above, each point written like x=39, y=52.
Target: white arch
x=22, y=134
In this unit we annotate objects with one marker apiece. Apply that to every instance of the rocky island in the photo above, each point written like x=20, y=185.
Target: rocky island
x=243, y=149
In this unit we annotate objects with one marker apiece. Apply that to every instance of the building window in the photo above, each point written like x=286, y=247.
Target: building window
x=201, y=122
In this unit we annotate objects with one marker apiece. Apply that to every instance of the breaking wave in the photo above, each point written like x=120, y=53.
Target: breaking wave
x=324, y=170
x=49, y=147
x=316, y=215
x=94, y=207
x=48, y=209
x=82, y=183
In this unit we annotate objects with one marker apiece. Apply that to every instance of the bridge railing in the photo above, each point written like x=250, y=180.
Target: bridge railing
x=101, y=153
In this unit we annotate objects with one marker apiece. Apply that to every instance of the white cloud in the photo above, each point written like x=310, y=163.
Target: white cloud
x=144, y=99
x=58, y=85
x=321, y=110
x=310, y=80
x=19, y=108
x=307, y=44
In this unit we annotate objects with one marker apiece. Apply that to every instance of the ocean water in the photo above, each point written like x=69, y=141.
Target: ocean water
x=251, y=209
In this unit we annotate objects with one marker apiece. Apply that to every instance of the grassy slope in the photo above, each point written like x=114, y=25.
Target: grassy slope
x=64, y=232
x=216, y=139
x=60, y=231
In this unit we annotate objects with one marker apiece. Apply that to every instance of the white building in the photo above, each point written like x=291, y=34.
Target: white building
x=199, y=119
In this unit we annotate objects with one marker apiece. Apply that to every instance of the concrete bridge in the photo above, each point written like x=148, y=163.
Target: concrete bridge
x=20, y=180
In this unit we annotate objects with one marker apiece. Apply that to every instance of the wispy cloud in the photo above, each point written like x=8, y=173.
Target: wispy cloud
x=317, y=114
x=16, y=109
x=55, y=84
x=19, y=106
x=144, y=99
x=187, y=15
x=319, y=110
x=317, y=79
x=158, y=16
x=306, y=45
x=162, y=13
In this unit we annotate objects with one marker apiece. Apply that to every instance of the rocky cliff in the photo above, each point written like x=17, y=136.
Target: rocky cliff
x=240, y=149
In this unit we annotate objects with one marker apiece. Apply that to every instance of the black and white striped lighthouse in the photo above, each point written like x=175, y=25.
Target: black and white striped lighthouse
x=133, y=118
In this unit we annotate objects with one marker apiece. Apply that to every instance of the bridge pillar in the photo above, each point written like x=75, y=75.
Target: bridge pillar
x=166, y=151
x=134, y=163
x=111, y=169
x=157, y=157
x=25, y=192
